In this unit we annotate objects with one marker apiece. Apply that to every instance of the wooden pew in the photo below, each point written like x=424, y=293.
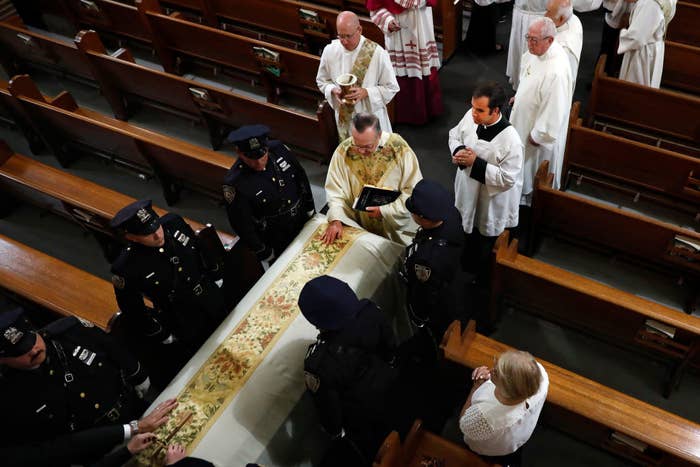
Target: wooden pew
x=53, y=284
x=642, y=239
x=598, y=309
x=423, y=446
x=64, y=127
x=21, y=47
x=683, y=27
x=174, y=38
x=681, y=67
x=122, y=82
x=630, y=110
x=591, y=411
x=664, y=176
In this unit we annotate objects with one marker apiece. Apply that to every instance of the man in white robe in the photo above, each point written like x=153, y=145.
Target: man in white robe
x=353, y=53
x=569, y=32
x=642, y=42
x=371, y=157
x=616, y=16
x=409, y=38
x=524, y=13
x=489, y=155
x=542, y=104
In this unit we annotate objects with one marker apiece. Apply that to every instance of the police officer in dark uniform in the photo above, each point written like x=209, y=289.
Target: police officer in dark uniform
x=59, y=384
x=433, y=260
x=348, y=371
x=163, y=262
x=268, y=196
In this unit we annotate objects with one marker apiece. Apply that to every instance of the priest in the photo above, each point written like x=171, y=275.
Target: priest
x=569, y=32
x=371, y=157
x=643, y=41
x=409, y=38
x=376, y=84
x=524, y=13
x=542, y=103
x=489, y=156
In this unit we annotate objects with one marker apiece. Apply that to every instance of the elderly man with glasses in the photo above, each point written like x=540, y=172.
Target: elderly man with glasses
x=352, y=53
x=378, y=158
x=542, y=103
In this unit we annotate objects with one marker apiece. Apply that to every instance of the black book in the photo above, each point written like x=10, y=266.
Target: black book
x=374, y=196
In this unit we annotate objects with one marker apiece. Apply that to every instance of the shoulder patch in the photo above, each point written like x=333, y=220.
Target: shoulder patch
x=422, y=272
x=229, y=193
x=312, y=381
x=118, y=281
x=86, y=323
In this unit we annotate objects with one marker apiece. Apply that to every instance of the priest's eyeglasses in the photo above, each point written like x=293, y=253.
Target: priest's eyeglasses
x=346, y=37
x=535, y=40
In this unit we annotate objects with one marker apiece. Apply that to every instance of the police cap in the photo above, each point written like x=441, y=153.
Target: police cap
x=138, y=218
x=251, y=140
x=430, y=201
x=16, y=335
x=328, y=303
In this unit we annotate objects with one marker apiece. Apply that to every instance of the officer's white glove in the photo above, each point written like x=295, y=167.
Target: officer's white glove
x=219, y=283
x=143, y=388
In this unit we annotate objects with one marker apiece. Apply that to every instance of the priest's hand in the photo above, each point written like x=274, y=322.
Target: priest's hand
x=393, y=26
x=374, y=212
x=464, y=157
x=532, y=141
x=335, y=92
x=333, y=232
x=357, y=94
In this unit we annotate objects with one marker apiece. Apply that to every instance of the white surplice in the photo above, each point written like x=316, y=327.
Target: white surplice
x=412, y=49
x=541, y=111
x=643, y=43
x=379, y=81
x=393, y=165
x=525, y=12
x=570, y=36
x=491, y=206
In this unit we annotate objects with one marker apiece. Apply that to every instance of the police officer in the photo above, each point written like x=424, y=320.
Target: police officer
x=62, y=382
x=433, y=260
x=163, y=262
x=268, y=197
x=348, y=371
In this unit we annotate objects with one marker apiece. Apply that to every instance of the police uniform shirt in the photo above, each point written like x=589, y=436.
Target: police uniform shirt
x=346, y=372
x=255, y=199
x=171, y=276
x=432, y=261
x=85, y=381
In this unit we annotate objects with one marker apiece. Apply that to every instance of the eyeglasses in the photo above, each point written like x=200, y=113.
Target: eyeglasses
x=535, y=40
x=365, y=148
x=345, y=37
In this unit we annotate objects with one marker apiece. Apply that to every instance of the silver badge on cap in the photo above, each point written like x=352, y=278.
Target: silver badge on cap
x=13, y=335
x=422, y=272
x=143, y=215
x=254, y=143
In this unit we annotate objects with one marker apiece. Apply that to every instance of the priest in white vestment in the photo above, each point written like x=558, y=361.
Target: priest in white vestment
x=616, y=16
x=524, y=13
x=409, y=38
x=569, y=32
x=371, y=157
x=642, y=41
x=489, y=155
x=369, y=62
x=542, y=104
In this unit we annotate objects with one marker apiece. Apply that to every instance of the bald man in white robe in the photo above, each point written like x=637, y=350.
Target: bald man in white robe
x=569, y=32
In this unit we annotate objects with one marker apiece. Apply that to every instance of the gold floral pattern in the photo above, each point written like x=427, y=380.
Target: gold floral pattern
x=370, y=169
x=359, y=69
x=227, y=369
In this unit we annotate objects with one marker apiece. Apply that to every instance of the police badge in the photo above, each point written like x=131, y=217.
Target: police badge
x=229, y=193
x=118, y=281
x=422, y=272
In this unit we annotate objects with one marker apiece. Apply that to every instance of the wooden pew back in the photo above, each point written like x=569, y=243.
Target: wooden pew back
x=635, y=106
x=604, y=156
x=681, y=67
x=55, y=285
x=108, y=16
x=683, y=27
x=579, y=219
x=591, y=411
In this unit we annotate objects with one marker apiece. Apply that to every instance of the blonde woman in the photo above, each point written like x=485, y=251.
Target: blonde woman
x=503, y=406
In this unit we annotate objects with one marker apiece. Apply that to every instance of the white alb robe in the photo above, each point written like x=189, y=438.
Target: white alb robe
x=492, y=206
x=412, y=49
x=570, y=36
x=525, y=12
x=379, y=81
x=541, y=111
x=643, y=44
x=349, y=172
